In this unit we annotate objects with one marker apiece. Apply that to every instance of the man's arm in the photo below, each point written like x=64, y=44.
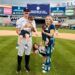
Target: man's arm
x=18, y=24
x=34, y=28
x=17, y=30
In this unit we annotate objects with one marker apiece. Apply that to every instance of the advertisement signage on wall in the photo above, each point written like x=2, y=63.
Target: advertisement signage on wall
x=69, y=12
x=58, y=10
x=7, y=11
x=1, y=10
x=39, y=9
x=17, y=10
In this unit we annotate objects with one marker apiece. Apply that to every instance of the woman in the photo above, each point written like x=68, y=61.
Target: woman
x=49, y=35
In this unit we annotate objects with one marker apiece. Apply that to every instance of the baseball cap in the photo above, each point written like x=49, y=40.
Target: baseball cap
x=26, y=10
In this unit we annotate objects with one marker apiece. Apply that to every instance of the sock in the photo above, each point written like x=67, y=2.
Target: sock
x=27, y=58
x=19, y=59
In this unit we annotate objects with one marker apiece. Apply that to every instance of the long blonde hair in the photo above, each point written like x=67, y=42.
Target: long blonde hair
x=47, y=20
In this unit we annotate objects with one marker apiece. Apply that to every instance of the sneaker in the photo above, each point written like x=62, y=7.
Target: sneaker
x=49, y=68
x=53, y=48
x=44, y=71
x=27, y=69
x=43, y=64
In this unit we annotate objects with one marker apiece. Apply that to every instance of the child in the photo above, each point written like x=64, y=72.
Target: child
x=43, y=35
x=27, y=28
x=39, y=49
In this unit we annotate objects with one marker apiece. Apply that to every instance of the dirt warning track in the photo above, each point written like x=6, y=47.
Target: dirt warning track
x=69, y=36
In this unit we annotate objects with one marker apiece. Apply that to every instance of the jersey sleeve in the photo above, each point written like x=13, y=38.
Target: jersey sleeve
x=52, y=27
x=18, y=24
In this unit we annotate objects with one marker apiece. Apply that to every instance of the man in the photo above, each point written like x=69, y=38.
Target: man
x=19, y=26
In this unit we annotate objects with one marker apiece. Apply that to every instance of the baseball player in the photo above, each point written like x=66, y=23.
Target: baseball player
x=19, y=26
x=49, y=34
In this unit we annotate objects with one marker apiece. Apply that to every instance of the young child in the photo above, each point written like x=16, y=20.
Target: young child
x=39, y=49
x=43, y=35
x=27, y=28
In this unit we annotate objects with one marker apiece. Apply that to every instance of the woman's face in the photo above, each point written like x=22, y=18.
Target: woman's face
x=48, y=21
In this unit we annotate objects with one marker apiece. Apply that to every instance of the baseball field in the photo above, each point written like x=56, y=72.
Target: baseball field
x=39, y=29
x=63, y=57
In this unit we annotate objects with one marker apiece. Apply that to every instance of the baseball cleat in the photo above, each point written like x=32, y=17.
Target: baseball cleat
x=27, y=69
x=17, y=72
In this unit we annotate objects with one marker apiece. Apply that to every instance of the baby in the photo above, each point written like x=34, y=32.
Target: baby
x=27, y=28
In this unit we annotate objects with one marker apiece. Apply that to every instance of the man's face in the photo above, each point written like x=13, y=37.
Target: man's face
x=26, y=14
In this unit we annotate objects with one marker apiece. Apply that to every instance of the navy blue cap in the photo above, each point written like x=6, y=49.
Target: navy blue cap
x=26, y=10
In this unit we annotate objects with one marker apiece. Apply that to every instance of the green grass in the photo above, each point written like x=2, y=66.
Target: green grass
x=7, y=28
x=63, y=58
x=39, y=29
x=62, y=30
x=66, y=31
x=12, y=28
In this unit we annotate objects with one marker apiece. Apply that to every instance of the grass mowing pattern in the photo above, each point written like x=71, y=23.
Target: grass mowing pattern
x=63, y=58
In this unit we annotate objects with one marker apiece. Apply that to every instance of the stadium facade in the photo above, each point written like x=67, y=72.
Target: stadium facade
x=7, y=9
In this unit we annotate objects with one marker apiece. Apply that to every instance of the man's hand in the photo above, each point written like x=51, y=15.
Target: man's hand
x=17, y=30
x=35, y=32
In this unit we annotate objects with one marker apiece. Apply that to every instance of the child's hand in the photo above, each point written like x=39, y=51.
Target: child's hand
x=43, y=32
x=27, y=37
